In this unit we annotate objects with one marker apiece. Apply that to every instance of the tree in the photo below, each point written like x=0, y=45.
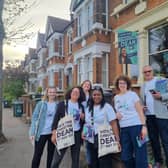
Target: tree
x=2, y=138
x=13, y=81
x=13, y=9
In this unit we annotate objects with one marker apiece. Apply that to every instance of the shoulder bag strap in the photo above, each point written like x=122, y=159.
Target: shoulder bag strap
x=39, y=116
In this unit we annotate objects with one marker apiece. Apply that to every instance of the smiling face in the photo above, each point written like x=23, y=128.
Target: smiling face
x=148, y=73
x=123, y=52
x=51, y=93
x=75, y=93
x=97, y=97
x=122, y=85
x=86, y=86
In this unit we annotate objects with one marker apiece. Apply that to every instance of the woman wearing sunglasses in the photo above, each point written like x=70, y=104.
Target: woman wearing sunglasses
x=99, y=112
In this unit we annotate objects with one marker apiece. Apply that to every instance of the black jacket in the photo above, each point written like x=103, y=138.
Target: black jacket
x=60, y=113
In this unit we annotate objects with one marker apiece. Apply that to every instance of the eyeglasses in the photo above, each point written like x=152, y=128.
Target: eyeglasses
x=147, y=71
x=122, y=83
x=97, y=88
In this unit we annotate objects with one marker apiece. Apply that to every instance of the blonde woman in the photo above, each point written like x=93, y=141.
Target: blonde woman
x=40, y=130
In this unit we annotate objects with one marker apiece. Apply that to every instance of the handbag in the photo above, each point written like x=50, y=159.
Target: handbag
x=65, y=131
x=107, y=142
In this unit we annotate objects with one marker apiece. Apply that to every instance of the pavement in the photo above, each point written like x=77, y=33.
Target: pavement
x=17, y=152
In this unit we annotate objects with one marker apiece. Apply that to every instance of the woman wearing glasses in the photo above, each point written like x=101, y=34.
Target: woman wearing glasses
x=73, y=106
x=40, y=130
x=95, y=115
x=132, y=124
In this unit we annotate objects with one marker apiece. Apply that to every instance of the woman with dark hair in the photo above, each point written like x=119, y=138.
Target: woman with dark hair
x=73, y=106
x=95, y=115
x=124, y=59
x=40, y=130
x=87, y=86
x=132, y=124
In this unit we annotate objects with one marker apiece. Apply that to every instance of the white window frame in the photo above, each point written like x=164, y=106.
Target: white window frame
x=60, y=46
x=105, y=70
x=51, y=78
x=89, y=16
x=79, y=24
x=89, y=67
x=60, y=79
x=70, y=42
x=79, y=71
x=51, y=48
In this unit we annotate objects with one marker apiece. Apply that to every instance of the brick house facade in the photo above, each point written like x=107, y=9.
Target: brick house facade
x=86, y=47
x=149, y=19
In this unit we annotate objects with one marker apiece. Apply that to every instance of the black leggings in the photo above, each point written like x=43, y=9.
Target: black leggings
x=38, y=151
x=75, y=152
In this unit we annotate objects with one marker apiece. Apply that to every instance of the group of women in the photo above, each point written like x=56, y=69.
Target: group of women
x=87, y=105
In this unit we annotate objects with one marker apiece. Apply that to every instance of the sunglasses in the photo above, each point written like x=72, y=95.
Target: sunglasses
x=147, y=71
x=97, y=88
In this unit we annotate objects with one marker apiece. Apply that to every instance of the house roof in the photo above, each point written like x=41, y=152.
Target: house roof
x=32, y=53
x=41, y=38
x=75, y=4
x=55, y=24
x=41, y=43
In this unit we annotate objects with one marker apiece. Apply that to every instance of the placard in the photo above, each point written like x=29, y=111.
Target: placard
x=162, y=86
x=65, y=132
x=107, y=142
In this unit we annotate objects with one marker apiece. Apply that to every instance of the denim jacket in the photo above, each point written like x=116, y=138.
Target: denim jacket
x=42, y=119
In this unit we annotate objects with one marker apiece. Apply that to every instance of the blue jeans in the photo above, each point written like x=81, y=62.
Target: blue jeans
x=163, y=130
x=153, y=132
x=88, y=159
x=132, y=155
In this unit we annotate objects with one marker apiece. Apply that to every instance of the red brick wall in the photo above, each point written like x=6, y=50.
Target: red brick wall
x=97, y=70
x=56, y=79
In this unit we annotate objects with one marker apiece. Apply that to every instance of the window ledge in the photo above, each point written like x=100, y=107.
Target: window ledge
x=95, y=26
x=122, y=7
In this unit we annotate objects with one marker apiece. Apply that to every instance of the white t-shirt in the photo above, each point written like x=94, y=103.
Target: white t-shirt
x=125, y=104
x=84, y=103
x=51, y=109
x=74, y=110
x=149, y=98
x=100, y=115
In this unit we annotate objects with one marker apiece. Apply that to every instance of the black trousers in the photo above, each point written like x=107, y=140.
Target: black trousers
x=75, y=153
x=38, y=151
x=102, y=162
x=153, y=132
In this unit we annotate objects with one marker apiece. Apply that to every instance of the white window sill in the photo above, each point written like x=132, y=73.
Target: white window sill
x=122, y=7
x=98, y=26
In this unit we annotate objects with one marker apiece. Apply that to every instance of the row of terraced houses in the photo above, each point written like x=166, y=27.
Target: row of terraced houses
x=86, y=47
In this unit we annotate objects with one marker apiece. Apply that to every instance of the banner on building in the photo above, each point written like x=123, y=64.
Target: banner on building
x=127, y=47
x=65, y=132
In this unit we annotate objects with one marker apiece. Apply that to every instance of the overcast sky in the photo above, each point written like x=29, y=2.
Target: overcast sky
x=38, y=15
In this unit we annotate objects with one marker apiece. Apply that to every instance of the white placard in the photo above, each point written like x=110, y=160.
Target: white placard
x=65, y=132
